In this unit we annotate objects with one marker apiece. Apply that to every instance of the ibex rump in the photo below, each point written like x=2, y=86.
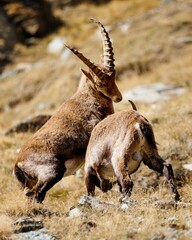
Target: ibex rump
x=58, y=148
x=117, y=146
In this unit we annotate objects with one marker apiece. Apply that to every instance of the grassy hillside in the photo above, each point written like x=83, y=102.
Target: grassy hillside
x=150, y=46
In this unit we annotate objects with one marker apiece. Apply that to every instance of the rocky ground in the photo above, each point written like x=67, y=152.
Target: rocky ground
x=152, y=45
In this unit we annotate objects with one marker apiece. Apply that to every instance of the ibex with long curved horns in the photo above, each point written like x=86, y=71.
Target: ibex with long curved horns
x=58, y=149
x=117, y=146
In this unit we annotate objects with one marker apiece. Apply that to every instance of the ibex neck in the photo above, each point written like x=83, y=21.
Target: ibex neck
x=84, y=84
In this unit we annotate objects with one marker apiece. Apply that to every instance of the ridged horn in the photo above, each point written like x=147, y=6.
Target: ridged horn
x=90, y=64
x=107, y=47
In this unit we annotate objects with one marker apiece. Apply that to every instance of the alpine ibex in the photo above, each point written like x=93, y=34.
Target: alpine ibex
x=117, y=146
x=58, y=148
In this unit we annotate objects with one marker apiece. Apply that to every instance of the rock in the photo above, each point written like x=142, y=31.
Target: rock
x=189, y=144
x=156, y=238
x=171, y=219
x=126, y=202
x=153, y=93
x=20, y=67
x=65, y=54
x=27, y=228
x=26, y=224
x=31, y=18
x=93, y=202
x=165, y=2
x=79, y=173
x=188, y=166
x=8, y=38
x=165, y=204
x=124, y=26
x=56, y=45
x=87, y=226
x=29, y=125
x=74, y=212
x=34, y=235
x=183, y=40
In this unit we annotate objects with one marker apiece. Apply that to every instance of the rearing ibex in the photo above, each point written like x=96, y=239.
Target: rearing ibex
x=58, y=148
x=117, y=146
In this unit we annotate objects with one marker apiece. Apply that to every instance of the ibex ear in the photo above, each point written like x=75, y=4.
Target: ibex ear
x=88, y=75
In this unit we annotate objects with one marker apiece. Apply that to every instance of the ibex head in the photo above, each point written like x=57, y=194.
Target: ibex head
x=102, y=76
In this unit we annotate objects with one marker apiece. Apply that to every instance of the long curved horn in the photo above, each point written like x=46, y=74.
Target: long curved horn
x=107, y=47
x=90, y=64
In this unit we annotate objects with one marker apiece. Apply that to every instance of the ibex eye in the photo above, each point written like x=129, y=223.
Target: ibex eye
x=101, y=85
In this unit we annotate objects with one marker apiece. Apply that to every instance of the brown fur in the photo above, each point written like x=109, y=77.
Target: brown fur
x=116, y=148
x=58, y=148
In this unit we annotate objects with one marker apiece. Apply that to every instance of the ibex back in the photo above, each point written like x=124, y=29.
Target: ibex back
x=58, y=148
x=117, y=146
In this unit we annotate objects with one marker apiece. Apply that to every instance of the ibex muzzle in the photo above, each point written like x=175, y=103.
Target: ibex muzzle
x=58, y=148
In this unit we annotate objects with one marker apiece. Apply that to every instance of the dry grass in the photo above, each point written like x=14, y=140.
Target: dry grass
x=150, y=40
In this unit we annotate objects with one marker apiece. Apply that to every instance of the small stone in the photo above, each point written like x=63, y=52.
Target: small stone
x=34, y=235
x=75, y=212
x=94, y=202
x=65, y=54
x=170, y=219
x=79, y=173
x=87, y=226
x=188, y=166
x=189, y=145
x=156, y=238
x=56, y=45
x=124, y=206
x=126, y=202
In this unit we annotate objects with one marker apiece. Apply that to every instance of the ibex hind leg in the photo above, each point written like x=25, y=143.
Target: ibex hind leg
x=25, y=181
x=123, y=177
x=19, y=174
x=158, y=164
x=45, y=182
x=92, y=179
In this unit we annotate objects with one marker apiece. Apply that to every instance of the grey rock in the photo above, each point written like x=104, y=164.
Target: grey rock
x=26, y=224
x=29, y=125
x=153, y=93
x=56, y=45
x=126, y=202
x=87, y=226
x=183, y=40
x=93, y=202
x=34, y=235
x=171, y=219
x=65, y=54
x=75, y=212
x=165, y=204
x=189, y=144
x=188, y=166
x=20, y=67
x=156, y=238
x=27, y=228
